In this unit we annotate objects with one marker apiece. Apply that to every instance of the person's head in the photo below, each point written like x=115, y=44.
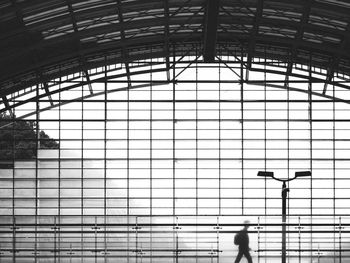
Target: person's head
x=246, y=224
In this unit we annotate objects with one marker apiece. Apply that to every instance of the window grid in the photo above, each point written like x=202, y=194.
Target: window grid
x=164, y=165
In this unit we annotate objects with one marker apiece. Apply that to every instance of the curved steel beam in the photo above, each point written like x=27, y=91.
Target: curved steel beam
x=114, y=79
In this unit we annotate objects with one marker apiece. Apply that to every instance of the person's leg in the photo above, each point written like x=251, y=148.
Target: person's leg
x=239, y=256
x=248, y=257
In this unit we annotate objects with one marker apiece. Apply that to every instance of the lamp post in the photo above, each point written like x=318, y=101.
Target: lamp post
x=285, y=191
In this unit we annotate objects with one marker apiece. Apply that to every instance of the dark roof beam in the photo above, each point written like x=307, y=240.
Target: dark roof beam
x=38, y=72
x=74, y=21
x=298, y=36
x=166, y=34
x=210, y=30
x=330, y=73
x=122, y=36
x=335, y=61
x=128, y=74
x=88, y=80
x=77, y=37
x=20, y=18
x=254, y=32
x=46, y=88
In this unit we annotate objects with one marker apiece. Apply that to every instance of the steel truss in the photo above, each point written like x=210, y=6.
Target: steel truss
x=117, y=73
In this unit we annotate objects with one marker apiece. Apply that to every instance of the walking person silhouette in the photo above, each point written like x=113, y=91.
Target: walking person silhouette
x=242, y=240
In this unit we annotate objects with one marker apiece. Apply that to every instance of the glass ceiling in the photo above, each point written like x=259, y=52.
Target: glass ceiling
x=41, y=41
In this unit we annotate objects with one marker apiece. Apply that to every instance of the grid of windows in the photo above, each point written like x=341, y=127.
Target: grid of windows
x=165, y=172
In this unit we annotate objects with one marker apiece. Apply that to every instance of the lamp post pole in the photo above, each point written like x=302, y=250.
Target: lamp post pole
x=285, y=191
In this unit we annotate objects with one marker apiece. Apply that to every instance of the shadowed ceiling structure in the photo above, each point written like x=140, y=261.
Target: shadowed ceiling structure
x=43, y=40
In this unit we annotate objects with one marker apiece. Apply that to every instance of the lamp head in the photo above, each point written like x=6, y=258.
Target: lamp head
x=265, y=174
x=302, y=174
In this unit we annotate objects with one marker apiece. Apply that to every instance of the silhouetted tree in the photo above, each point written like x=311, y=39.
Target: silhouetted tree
x=19, y=139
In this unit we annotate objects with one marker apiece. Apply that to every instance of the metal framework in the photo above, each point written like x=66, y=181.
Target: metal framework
x=159, y=149
x=43, y=41
x=166, y=170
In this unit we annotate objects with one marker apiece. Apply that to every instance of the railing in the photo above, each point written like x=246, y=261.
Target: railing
x=170, y=238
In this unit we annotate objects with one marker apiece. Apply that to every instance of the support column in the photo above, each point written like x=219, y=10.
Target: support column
x=285, y=191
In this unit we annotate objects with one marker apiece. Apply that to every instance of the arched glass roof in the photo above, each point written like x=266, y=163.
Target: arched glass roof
x=43, y=40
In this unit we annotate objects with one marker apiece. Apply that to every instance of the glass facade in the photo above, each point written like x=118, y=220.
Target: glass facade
x=150, y=170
